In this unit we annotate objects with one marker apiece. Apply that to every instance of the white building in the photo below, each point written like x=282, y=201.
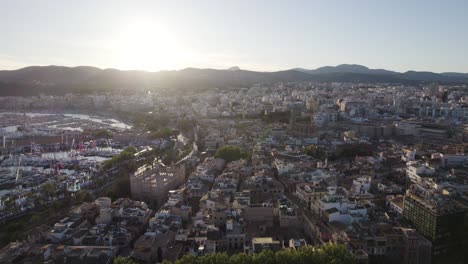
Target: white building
x=361, y=185
x=415, y=172
x=335, y=207
x=283, y=167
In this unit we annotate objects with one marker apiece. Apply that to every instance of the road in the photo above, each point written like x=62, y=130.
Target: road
x=194, y=148
x=302, y=207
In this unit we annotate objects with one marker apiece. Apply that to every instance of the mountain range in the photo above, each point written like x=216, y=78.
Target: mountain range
x=59, y=79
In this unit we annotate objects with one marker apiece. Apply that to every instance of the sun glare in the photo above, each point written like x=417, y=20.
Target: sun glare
x=147, y=45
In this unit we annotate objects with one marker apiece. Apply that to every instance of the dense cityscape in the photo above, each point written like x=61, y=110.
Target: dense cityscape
x=378, y=170
x=233, y=132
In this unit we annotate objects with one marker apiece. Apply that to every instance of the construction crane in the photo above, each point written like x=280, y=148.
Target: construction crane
x=18, y=165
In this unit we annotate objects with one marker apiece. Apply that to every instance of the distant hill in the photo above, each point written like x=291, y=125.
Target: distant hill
x=59, y=80
x=455, y=74
x=49, y=74
x=362, y=73
x=349, y=68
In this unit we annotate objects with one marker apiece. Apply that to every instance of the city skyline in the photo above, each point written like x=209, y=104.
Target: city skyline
x=259, y=36
x=234, y=131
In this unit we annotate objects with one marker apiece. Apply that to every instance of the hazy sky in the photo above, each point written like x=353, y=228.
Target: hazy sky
x=257, y=35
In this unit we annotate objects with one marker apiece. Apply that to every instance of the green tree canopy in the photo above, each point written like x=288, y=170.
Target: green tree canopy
x=281, y=117
x=123, y=260
x=329, y=253
x=125, y=160
x=314, y=151
x=103, y=133
x=156, y=122
x=186, y=124
x=230, y=153
x=162, y=133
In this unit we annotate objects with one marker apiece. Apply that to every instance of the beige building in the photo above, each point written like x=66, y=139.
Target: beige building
x=153, y=182
x=311, y=193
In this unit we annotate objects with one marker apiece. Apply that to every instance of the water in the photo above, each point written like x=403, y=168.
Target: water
x=70, y=122
x=111, y=122
x=65, y=155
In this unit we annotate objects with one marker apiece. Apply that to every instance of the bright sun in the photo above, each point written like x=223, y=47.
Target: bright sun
x=146, y=45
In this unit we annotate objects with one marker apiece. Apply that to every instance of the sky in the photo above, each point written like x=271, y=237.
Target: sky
x=423, y=35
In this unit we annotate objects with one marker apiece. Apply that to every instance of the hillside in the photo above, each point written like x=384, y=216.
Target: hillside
x=59, y=79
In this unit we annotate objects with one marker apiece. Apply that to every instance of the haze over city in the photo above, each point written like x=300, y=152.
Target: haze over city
x=233, y=132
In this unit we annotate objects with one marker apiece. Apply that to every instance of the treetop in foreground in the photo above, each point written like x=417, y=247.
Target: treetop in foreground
x=329, y=253
x=336, y=254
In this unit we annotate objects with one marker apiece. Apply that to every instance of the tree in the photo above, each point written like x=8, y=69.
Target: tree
x=139, y=119
x=125, y=160
x=162, y=133
x=240, y=258
x=103, y=133
x=214, y=258
x=48, y=189
x=264, y=257
x=130, y=149
x=337, y=254
x=36, y=218
x=329, y=253
x=310, y=255
x=187, y=259
x=314, y=151
x=185, y=124
x=230, y=153
x=82, y=196
x=169, y=156
x=310, y=150
x=282, y=117
x=123, y=260
x=287, y=257
x=151, y=121
x=10, y=205
x=156, y=122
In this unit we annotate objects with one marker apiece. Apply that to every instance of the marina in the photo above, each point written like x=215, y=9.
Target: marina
x=17, y=125
x=58, y=150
